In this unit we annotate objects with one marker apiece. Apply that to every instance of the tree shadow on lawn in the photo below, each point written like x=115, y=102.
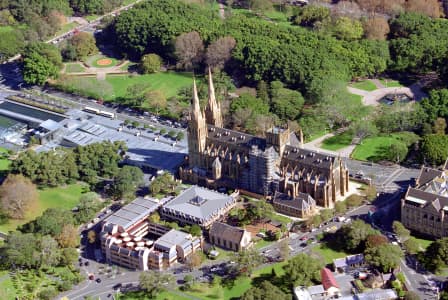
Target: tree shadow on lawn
x=340, y=139
x=382, y=153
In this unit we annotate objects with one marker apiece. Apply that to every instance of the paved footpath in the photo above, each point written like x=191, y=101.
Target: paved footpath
x=372, y=97
x=315, y=146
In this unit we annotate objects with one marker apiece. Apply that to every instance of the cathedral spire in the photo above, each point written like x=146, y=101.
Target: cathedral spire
x=196, y=109
x=197, y=130
x=211, y=89
x=213, y=109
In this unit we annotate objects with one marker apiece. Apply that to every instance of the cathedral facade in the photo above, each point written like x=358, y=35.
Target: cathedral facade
x=220, y=157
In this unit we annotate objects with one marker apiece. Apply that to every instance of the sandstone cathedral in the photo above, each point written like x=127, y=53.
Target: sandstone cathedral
x=220, y=157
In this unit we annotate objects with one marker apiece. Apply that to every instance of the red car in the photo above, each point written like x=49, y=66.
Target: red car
x=304, y=238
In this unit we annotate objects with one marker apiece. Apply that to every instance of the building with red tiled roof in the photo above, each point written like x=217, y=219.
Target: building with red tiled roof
x=329, y=283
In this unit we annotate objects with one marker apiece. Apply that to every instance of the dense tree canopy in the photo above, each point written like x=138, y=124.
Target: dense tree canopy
x=40, y=62
x=419, y=43
x=88, y=163
x=51, y=222
x=435, y=148
x=295, y=56
x=128, y=179
x=435, y=257
x=150, y=63
x=385, y=257
x=353, y=237
x=80, y=46
x=265, y=291
x=17, y=194
x=11, y=43
x=303, y=270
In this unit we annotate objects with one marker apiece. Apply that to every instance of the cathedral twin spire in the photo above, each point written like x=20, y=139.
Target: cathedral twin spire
x=212, y=112
x=213, y=109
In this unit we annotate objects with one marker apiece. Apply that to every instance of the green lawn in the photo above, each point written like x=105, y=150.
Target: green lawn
x=167, y=82
x=74, y=68
x=391, y=83
x=7, y=290
x=11, y=28
x=365, y=85
x=374, y=148
x=4, y=161
x=315, y=136
x=262, y=243
x=355, y=98
x=205, y=291
x=276, y=16
x=423, y=243
x=327, y=253
x=4, y=29
x=338, y=141
x=63, y=197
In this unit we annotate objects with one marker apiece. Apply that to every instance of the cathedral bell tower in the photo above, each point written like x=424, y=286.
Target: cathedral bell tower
x=197, y=131
x=213, y=109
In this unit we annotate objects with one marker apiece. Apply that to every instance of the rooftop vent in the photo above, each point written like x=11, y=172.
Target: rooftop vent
x=212, y=129
x=227, y=133
x=294, y=150
x=233, y=139
x=302, y=156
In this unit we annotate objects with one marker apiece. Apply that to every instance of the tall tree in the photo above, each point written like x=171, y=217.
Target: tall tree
x=84, y=45
x=247, y=261
x=302, y=270
x=435, y=148
x=286, y=104
x=87, y=207
x=376, y=28
x=385, y=257
x=17, y=194
x=51, y=222
x=156, y=101
x=435, y=257
x=265, y=291
x=220, y=51
x=194, y=261
x=69, y=237
x=150, y=63
x=189, y=50
x=154, y=282
x=11, y=43
x=43, y=59
x=430, y=8
x=402, y=232
x=49, y=251
x=21, y=250
x=128, y=179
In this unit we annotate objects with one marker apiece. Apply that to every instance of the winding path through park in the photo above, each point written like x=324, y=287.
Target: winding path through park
x=372, y=97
